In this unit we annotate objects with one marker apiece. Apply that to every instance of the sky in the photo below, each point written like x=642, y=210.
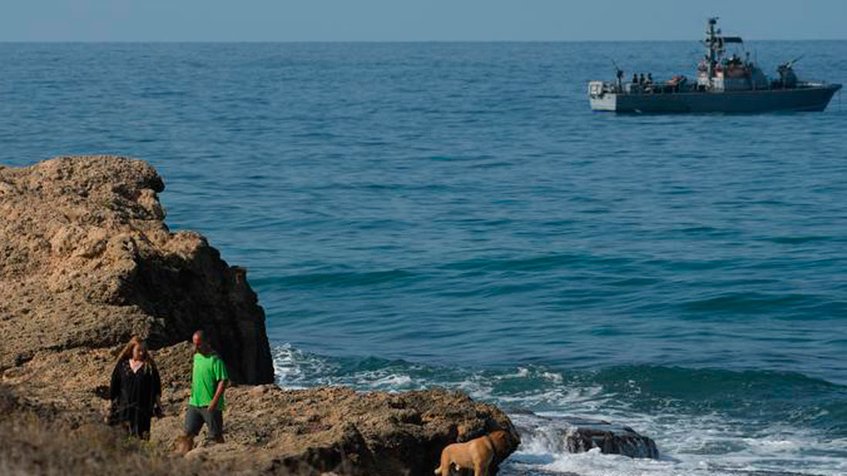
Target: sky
x=422, y=20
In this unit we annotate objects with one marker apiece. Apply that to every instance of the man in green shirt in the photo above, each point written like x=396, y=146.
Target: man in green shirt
x=208, y=382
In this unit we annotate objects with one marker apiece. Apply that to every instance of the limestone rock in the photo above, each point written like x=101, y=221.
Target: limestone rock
x=86, y=261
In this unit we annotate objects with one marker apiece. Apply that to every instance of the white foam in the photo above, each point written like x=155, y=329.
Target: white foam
x=705, y=445
x=385, y=380
x=296, y=369
x=553, y=377
x=709, y=444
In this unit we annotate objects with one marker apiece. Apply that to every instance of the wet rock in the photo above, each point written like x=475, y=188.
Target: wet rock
x=577, y=435
x=611, y=439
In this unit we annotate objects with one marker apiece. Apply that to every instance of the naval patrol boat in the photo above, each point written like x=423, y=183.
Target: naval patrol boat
x=727, y=84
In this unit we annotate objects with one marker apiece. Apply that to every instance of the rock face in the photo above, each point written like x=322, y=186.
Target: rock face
x=337, y=429
x=87, y=261
x=578, y=435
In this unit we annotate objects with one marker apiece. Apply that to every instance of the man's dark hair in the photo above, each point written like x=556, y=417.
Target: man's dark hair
x=205, y=339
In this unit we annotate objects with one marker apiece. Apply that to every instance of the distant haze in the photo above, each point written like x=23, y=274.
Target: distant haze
x=422, y=20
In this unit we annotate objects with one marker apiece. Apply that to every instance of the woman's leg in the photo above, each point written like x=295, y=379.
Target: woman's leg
x=133, y=422
x=143, y=428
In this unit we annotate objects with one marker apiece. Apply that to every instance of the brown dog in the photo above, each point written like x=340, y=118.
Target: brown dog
x=477, y=454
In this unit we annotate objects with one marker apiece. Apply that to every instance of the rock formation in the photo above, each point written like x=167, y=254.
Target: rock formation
x=86, y=261
x=578, y=435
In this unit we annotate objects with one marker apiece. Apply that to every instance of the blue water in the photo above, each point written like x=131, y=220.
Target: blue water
x=427, y=214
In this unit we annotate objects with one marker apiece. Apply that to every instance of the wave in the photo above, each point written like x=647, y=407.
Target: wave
x=799, y=240
x=334, y=279
x=756, y=303
x=535, y=263
x=706, y=421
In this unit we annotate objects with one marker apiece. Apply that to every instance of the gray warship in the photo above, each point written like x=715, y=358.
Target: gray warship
x=725, y=84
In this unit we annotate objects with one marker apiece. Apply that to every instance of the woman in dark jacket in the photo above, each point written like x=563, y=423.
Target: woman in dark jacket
x=136, y=390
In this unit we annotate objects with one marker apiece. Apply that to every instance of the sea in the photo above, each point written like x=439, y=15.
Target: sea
x=420, y=215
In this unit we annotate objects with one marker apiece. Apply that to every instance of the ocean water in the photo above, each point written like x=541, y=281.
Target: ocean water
x=439, y=214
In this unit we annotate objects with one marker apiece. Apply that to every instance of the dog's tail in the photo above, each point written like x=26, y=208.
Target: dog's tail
x=437, y=470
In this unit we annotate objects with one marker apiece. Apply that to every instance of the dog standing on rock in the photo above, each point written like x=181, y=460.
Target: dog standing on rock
x=477, y=454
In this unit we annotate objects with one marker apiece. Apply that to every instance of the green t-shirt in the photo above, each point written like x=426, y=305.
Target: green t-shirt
x=208, y=371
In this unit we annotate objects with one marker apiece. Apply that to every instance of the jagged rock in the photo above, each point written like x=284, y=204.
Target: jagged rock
x=578, y=435
x=611, y=440
x=86, y=261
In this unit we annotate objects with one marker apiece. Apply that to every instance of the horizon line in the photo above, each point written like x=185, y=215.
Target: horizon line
x=2, y=41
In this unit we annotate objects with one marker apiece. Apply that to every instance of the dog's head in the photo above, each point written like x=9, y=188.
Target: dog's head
x=502, y=442
x=183, y=444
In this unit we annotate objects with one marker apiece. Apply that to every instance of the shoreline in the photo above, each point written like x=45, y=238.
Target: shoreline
x=88, y=261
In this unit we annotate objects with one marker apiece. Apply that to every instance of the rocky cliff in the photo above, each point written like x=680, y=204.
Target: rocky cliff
x=86, y=261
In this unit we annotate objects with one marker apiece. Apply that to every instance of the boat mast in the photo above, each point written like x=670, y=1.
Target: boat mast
x=712, y=43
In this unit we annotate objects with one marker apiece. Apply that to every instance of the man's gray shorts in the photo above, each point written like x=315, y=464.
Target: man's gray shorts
x=214, y=420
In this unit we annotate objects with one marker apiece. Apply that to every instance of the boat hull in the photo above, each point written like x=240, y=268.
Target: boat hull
x=811, y=98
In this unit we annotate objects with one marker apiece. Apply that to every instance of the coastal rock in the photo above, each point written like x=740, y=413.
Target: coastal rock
x=270, y=430
x=338, y=429
x=86, y=262
x=568, y=434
